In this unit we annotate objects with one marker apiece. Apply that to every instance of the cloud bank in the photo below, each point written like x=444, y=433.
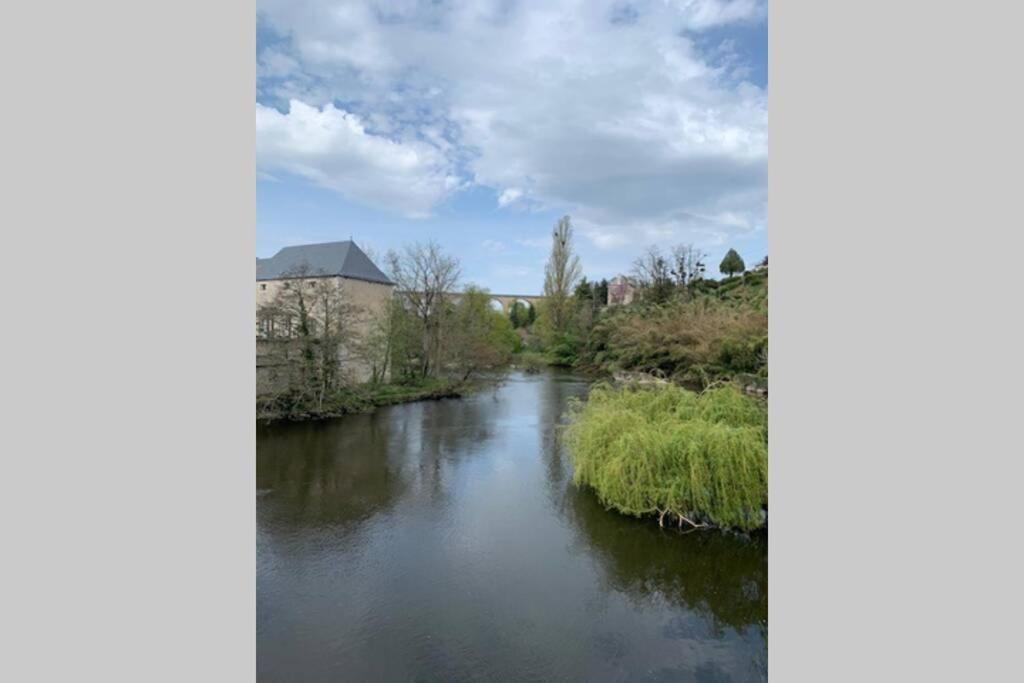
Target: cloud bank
x=615, y=112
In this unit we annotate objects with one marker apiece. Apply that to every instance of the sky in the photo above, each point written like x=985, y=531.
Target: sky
x=478, y=123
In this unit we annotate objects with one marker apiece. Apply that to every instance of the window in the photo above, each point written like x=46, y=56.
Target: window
x=263, y=286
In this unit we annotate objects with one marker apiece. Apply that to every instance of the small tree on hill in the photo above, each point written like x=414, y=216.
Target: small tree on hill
x=732, y=264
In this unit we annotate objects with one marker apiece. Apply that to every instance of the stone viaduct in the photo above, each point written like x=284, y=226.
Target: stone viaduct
x=504, y=300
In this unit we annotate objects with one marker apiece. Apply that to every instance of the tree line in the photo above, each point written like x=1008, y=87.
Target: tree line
x=681, y=323
x=427, y=337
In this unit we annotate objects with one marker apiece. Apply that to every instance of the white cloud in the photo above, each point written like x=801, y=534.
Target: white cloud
x=493, y=245
x=332, y=148
x=602, y=109
x=509, y=196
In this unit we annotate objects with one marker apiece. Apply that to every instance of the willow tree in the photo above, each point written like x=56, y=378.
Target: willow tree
x=560, y=277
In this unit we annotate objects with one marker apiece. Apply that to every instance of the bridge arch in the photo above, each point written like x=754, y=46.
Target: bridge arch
x=526, y=302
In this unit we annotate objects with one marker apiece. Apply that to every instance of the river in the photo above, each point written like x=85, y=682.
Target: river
x=445, y=541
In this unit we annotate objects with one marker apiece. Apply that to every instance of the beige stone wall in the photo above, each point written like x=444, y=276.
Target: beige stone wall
x=369, y=298
x=620, y=291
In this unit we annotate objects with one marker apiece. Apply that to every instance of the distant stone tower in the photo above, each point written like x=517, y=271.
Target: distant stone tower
x=621, y=290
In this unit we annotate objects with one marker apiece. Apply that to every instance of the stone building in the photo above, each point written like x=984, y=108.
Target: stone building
x=363, y=285
x=621, y=290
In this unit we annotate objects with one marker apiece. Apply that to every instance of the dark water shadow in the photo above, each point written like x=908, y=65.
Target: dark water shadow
x=721, y=576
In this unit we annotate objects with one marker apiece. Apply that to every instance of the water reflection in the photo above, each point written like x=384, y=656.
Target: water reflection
x=340, y=472
x=445, y=541
x=330, y=473
x=724, y=577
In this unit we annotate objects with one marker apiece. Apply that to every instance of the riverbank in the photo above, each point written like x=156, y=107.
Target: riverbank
x=358, y=399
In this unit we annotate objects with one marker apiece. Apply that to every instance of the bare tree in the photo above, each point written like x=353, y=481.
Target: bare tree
x=426, y=277
x=687, y=264
x=313, y=318
x=560, y=277
x=653, y=274
x=660, y=275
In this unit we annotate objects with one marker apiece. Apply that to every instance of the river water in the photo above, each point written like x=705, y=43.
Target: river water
x=445, y=541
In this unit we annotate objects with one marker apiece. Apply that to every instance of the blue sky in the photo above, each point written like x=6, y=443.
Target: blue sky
x=478, y=123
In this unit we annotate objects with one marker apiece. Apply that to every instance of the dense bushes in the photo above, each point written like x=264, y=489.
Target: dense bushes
x=668, y=451
x=701, y=339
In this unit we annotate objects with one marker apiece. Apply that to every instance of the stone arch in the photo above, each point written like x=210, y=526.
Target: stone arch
x=526, y=302
x=497, y=305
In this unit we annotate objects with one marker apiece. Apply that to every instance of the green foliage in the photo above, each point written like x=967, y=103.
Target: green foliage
x=480, y=337
x=294, y=406
x=561, y=274
x=521, y=315
x=743, y=355
x=584, y=291
x=563, y=351
x=732, y=263
x=503, y=335
x=699, y=340
x=668, y=450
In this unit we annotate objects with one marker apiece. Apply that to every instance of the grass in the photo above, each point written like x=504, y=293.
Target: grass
x=671, y=452
x=390, y=394
x=356, y=399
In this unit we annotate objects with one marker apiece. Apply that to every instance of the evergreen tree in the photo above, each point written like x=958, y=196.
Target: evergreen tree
x=601, y=292
x=584, y=292
x=732, y=264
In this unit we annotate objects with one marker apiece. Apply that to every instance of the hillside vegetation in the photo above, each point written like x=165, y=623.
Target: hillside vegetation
x=711, y=331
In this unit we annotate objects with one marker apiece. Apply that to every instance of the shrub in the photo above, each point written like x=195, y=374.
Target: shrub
x=702, y=457
x=742, y=355
x=693, y=339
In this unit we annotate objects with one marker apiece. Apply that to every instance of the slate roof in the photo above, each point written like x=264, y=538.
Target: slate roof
x=330, y=258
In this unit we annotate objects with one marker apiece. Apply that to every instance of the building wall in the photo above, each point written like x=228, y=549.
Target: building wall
x=620, y=291
x=370, y=299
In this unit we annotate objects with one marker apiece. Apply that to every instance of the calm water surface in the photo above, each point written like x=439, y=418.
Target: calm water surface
x=444, y=541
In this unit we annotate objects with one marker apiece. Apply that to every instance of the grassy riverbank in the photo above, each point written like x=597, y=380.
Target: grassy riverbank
x=356, y=399
x=696, y=459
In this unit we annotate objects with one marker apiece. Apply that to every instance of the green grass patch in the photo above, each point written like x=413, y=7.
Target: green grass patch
x=390, y=394
x=296, y=407
x=674, y=453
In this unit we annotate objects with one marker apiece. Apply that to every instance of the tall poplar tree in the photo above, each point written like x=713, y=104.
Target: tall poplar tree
x=560, y=277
